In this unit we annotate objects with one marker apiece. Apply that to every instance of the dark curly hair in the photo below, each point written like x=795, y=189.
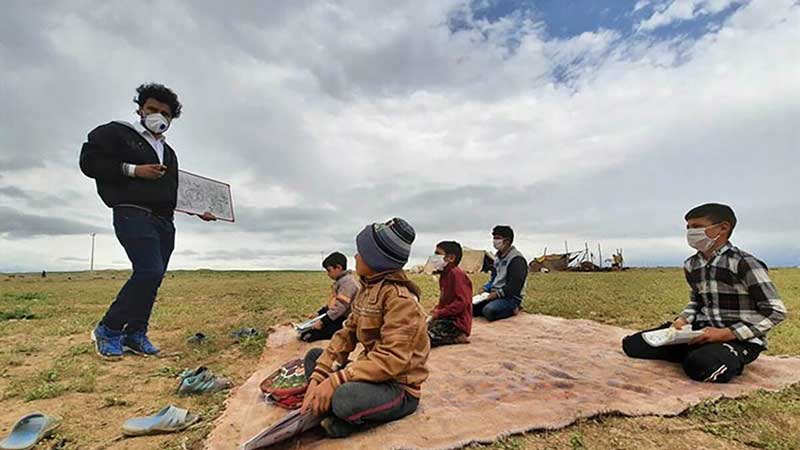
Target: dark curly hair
x=161, y=93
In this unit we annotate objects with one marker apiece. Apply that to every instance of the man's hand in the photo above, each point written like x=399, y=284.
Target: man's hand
x=318, y=398
x=150, y=171
x=208, y=217
x=713, y=334
x=679, y=323
x=312, y=387
x=317, y=325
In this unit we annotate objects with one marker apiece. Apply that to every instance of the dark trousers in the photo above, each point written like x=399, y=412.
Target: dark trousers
x=362, y=403
x=500, y=308
x=148, y=240
x=717, y=362
x=327, y=331
x=444, y=332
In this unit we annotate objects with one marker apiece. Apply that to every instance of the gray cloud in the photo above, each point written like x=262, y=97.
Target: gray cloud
x=18, y=225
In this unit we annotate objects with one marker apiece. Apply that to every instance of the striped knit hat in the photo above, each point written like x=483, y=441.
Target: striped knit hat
x=386, y=246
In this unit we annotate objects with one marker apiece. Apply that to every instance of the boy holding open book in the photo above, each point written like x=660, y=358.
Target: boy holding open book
x=732, y=306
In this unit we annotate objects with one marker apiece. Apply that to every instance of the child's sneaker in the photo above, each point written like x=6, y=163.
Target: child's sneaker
x=138, y=343
x=336, y=428
x=107, y=342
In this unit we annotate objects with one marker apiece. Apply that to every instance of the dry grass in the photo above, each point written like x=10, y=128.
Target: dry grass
x=47, y=363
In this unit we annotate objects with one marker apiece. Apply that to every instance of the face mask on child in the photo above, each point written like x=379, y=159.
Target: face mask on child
x=438, y=263
x=699, y=240
x=498, y=244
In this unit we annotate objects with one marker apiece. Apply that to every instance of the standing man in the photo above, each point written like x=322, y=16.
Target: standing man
x=136, y=172
x=506, y=288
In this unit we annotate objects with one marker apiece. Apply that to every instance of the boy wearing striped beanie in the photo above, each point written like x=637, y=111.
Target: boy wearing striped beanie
x=384, y=382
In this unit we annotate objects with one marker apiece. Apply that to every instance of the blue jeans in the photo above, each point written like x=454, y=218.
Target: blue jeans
x=500, y=308
x=148, y=240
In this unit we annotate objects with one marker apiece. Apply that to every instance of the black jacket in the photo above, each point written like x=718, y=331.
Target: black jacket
x=102, y=155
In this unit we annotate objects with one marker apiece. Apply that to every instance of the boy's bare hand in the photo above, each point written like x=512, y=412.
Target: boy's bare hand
x=150, y=171
x=307, y=399
x=208, y=217
x=679, y=323
x=318, y=397
x=713, y=334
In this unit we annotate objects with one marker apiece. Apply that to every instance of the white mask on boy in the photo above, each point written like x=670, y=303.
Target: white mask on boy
x=699, y=240
x=156, y=123
x=498, y=244
x=438, y=262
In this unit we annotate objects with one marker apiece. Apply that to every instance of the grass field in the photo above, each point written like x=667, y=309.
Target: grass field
x=48, y=364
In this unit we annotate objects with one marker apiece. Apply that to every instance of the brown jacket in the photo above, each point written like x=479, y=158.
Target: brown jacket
x=389, y=322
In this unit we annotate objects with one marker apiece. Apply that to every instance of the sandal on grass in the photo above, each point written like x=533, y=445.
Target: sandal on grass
x=29, y=430
x=168, y=420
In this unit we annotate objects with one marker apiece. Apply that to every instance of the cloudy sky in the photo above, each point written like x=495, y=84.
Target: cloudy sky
x=598, y=121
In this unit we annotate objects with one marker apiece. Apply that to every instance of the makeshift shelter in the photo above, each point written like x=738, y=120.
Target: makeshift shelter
x=472, y=262
x=554, y=262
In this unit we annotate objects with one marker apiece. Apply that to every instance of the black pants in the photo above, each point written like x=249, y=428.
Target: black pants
x=361, y=403
x=148, y=240
x=327, y=331
x=717, y=362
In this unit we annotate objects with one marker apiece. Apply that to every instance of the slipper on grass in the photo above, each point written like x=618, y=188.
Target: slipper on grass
x=168, y=420
x=29, y=430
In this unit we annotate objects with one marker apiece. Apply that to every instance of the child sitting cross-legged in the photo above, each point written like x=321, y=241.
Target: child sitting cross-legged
x=384, y=382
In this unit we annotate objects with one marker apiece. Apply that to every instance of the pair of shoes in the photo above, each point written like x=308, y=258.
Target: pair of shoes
x=337, y=428
x=111, y=344
x=107, y=342
x=201, y=381
x=138, y=343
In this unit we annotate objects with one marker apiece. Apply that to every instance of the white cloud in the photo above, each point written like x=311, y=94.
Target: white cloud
x=324, y=118
x=681, y=10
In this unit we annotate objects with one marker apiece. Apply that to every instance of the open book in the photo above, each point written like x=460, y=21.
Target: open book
x=305, y=326
x=670, y=336
x=291, y=425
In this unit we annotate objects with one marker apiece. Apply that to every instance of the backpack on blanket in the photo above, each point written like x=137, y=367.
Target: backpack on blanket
x=287, y=385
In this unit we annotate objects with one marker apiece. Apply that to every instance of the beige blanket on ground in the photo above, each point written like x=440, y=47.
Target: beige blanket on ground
x=526, y=373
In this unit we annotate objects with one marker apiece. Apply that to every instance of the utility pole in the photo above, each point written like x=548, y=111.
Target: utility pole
x=91, y=263
x=600, y=254
x=566, y=247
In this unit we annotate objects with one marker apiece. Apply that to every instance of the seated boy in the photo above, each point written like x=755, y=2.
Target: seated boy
x=732, y=301
x=506, y=289
x=343, y=290
x=384, y=382
x=451, y=319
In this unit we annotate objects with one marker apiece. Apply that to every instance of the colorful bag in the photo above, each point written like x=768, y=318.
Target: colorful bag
x=287, y=385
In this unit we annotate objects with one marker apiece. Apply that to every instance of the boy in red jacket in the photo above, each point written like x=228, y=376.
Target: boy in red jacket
x=451, y=319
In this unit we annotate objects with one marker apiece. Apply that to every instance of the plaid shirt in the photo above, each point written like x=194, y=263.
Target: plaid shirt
x=733, y=290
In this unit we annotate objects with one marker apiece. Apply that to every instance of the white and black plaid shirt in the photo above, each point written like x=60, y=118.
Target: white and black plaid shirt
x=733, y=290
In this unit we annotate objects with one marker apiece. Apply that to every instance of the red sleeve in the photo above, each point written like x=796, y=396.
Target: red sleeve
x=459, y=298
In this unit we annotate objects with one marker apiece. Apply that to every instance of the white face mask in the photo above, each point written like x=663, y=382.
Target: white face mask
x=438, y=262
x=498, y=244
x=699, y=240
x=156, y=123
